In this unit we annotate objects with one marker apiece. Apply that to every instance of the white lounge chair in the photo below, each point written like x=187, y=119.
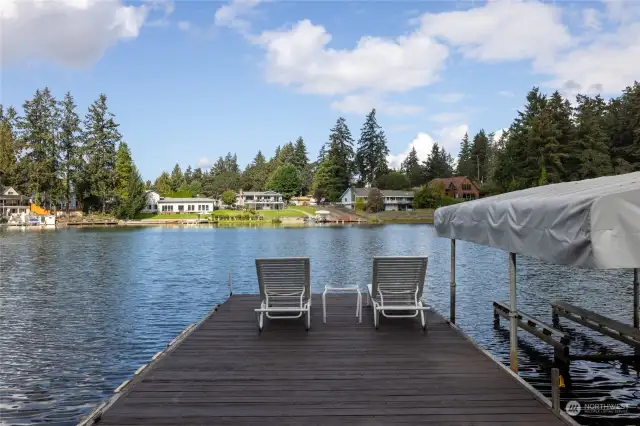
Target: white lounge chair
x=285, y=289
x=396, y=288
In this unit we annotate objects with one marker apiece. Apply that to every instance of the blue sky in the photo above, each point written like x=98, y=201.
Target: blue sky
x=191, y=80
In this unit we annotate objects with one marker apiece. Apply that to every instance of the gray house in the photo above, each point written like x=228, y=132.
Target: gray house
x=393, y=199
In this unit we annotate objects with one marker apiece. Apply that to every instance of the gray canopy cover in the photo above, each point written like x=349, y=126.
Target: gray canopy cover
x=594, y=223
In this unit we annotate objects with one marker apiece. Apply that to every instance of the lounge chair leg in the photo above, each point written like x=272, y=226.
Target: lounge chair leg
x=260, y=320
x=375, y=318
x=308, y=327
x=423, y=321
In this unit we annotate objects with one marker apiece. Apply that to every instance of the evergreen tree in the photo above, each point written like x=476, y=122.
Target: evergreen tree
x=545, y=151
x=8, y=165
x=371, y=157
x=135, y=200
x=38, y=134
x=624, y=131
x=589, y=150
x=438, y=165
x=300, y=158
x=411, y=167
x=479, y=156
x=102, y=137
x=256, y=174
x=124, y=171
x=188, y=175
x=286, y=155
x=69, y=147
x=466, y=165
x=561, y=115
x=333, y=175
x=177, y=179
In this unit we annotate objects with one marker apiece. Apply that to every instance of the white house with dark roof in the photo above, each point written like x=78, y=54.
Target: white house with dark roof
x=11, y=202
x=393, y=199
x=267, y=200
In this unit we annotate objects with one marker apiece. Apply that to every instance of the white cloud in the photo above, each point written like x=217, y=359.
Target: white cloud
x=234, y=15
x=506, y=93
x=166, y=7
x=362, y=104
x=300, y=57
x=448, y=137
x=451, y=98
x=498, y=133
x=423, y=143
x=69, y=32
x=451, y=136
x=501, y=30
x=205, y=163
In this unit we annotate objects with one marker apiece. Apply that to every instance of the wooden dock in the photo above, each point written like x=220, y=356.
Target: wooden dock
x=224, y=372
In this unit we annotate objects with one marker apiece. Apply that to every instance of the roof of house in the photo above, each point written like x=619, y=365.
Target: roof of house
x=592, y=223
x=260, y=193
x=186, y=200
x=364, y=192
x=396, y=193
x=456, y=181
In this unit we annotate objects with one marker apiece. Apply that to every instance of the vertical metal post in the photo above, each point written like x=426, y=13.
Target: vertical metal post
x=636, y=299
x=452, y=284
x=513, y=313
x=230, y=285
x=555, y=390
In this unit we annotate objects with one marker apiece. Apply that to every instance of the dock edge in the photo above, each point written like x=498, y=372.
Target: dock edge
x=94, y=416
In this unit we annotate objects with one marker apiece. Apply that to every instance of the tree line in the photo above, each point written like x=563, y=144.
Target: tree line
x=49, y=152
x=552, y=140
x=52, y=154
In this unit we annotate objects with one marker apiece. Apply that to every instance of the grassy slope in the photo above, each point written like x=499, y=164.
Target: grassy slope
x=416, y=216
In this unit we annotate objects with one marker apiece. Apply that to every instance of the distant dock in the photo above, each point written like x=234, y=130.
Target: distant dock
x=223, y=372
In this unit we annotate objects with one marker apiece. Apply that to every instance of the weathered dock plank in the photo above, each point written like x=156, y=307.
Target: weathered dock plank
x=342, y=372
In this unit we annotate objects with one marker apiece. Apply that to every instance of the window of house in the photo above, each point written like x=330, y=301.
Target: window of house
x=206, y=206
x=181, y=207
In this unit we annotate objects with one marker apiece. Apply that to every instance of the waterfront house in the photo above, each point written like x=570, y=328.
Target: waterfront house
x=393, y=199
x=459, y=187
x=185, y=205
x=268, y=200
x=11, y=202
x=152, y=201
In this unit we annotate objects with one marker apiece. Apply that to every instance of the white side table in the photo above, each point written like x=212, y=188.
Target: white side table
x=339, y=289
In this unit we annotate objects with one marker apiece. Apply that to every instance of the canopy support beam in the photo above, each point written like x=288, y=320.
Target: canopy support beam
x=636, y=299
x=513, y=315
x=452, y=284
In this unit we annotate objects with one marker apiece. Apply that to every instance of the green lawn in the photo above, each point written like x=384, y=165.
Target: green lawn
x=415, y=216
x=308, y=209
x=288, y=212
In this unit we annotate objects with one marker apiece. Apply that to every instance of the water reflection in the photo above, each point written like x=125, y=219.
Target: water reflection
x=82, y=309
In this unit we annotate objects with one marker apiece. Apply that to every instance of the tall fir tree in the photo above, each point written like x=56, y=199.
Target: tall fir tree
x=334, y=173
x=102, y=137
x=70, y=149
x=479, y=156
x=439, y=164
x=371, y=156
x=465, y=165
x=177, y=178
x=412, y=168
x=8, y=164
x=589, y=149
x=38, y=133
x=124, y=171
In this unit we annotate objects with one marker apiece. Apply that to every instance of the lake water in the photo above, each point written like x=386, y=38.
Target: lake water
x=82, y=309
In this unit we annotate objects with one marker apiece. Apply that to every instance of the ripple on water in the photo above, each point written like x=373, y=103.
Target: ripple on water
x=81, y=310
